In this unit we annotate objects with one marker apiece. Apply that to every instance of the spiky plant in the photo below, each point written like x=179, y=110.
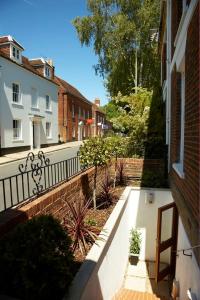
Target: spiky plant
x=81, y=232
x=106, y=197
x=121, y=178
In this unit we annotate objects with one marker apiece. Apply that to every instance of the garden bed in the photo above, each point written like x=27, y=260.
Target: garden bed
x=98, y=219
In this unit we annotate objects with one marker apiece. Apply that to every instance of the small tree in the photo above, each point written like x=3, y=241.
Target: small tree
x=94, y=152
x=117, y=147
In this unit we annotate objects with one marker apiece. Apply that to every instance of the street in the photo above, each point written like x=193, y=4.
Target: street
x=13, y=191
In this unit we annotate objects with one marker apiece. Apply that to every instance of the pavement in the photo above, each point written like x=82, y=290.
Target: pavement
x=20, y=155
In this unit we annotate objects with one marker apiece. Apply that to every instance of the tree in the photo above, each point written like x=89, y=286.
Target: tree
x=94, y=152
x=121, y=33
x=117, y=148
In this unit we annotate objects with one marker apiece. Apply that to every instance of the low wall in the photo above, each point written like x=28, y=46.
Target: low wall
x=53, y=202
x=133, y=167
x=102, y=273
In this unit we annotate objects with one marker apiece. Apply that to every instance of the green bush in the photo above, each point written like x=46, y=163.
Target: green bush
x=36, y=260
x=154, y=179
x=135, y=241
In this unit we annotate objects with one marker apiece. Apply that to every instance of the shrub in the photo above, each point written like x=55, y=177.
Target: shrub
x=135, y=241
x=121, y=178
x=81, y=232
x=153, y=179
x=36, y=260
x=106, y=197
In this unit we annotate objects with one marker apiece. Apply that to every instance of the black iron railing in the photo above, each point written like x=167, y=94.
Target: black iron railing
x=35, y=177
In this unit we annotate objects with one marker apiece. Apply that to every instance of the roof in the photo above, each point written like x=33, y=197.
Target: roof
x=69, y=89
x=26, y=65
x=8, y=39
x=97, y=108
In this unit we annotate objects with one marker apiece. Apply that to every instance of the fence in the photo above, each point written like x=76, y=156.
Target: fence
x=36, y=176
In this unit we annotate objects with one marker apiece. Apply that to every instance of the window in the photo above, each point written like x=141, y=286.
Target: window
x=48, y=103
x=15, y=91
x=34, y=100
x=73, y=132
x=47, y=72
x=13, y=51
x=79, y=111
x=16, y=129
x=88, y=114
x=73, y=111
x=17, y=54
x=48, y=129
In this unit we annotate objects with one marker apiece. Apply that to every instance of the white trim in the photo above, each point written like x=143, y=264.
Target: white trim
x=178, y=167
x=183, y=31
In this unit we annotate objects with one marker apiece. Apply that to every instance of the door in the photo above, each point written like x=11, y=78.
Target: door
x=167, y=218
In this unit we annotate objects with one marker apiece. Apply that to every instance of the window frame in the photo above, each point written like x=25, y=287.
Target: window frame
x=36, y=95
x=14, y=93
x=49, y=130
x=48, y=107
x=18, y=129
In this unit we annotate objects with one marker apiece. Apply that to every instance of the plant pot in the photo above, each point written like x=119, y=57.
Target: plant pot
x=133, y=258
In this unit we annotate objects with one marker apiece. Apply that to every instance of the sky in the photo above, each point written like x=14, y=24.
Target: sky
x=44, y=28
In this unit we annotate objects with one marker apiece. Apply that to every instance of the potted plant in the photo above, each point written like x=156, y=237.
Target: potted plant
x=135, y=245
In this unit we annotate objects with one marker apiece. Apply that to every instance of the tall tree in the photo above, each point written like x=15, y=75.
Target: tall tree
x=121, y=34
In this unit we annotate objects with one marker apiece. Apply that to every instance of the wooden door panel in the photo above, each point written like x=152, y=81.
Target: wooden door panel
x=171, y=242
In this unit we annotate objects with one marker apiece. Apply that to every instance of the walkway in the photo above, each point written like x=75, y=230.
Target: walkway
x=139, y=283
x=20, y=155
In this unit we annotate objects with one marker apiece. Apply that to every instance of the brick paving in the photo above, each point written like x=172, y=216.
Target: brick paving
x=125, y=294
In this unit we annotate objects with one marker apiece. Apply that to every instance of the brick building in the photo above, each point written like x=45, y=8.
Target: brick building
x=179, y=48
x=99, y=120
x=74, y=113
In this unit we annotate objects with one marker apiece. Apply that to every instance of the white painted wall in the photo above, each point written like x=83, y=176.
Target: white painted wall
x=187, y=270
x=102, y=273
x=144, y=216
x=10, y=72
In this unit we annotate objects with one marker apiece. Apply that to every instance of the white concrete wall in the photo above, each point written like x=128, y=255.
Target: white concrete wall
x=10, y=73
x=144, y=216
x=102, y=273
x=187, y=270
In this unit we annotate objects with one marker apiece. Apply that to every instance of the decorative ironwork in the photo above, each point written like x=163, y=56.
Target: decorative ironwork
x=36, y=168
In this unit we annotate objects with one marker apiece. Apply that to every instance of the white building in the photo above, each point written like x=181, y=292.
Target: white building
x=28, y=100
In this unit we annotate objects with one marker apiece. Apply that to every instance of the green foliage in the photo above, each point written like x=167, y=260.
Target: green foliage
x=94, y=152
x=36, y=260
x=135, y=241
x=153, y=179
x=91, y=222
x=117, y=28
x=116, y=145
x=121, y=178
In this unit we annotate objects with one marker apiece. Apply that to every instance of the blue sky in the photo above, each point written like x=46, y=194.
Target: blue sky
x=44, y=29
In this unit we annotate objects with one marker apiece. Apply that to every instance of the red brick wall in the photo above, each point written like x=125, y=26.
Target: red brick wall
x=66, y=121
x=186, y=191
x=54, y=202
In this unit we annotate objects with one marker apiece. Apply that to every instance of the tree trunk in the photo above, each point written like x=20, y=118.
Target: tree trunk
x=115, y=176
x=94, y=190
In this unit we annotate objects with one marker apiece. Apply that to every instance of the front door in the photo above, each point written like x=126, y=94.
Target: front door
x=167, y=216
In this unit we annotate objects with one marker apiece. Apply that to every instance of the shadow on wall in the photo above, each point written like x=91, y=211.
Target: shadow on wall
x=155, y=147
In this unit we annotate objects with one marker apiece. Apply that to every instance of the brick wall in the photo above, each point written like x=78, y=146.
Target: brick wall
x=134, y=167
x=186, y=192
x=65, y=120
x=54, y=202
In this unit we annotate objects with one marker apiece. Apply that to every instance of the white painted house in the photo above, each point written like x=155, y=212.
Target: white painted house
x=28, y=100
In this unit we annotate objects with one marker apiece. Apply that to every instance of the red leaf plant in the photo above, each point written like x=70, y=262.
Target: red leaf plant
x=81, y=233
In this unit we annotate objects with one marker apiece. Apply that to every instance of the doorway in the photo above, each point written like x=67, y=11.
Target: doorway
x=166, y=243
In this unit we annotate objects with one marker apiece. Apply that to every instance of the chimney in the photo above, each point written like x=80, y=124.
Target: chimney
x=97, y=101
